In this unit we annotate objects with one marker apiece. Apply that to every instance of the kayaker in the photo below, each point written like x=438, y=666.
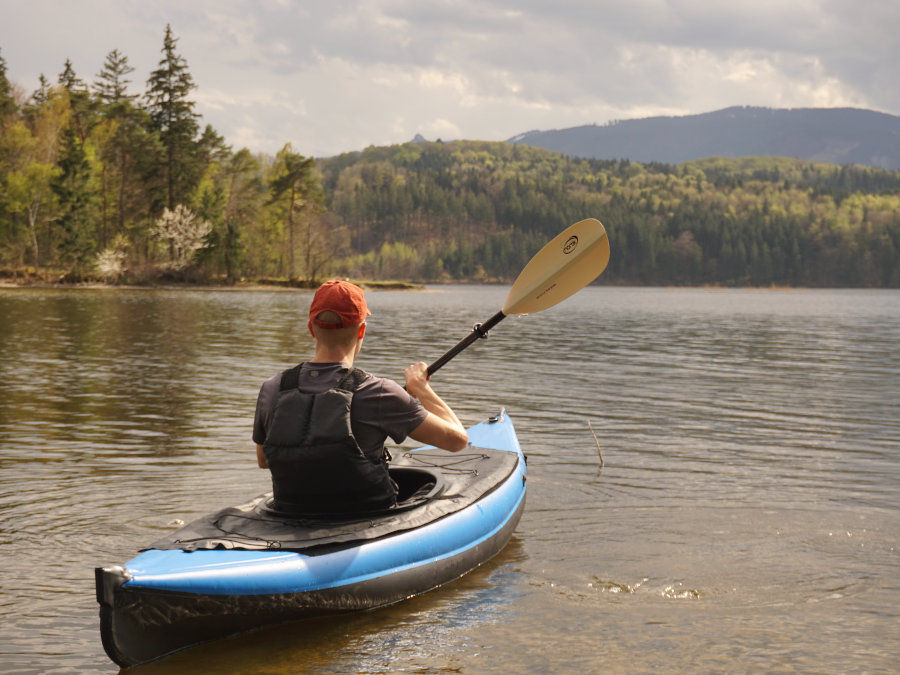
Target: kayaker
x=320, y=427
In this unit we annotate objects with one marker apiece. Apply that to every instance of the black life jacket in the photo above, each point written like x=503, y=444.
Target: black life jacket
x=317, y=466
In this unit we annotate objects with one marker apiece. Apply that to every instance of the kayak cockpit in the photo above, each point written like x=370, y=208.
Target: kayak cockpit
x=434, y=483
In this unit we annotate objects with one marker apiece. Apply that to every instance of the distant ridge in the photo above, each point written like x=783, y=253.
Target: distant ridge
x=833, y=135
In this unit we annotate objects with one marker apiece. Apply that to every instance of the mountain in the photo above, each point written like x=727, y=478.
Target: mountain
x=833, y=135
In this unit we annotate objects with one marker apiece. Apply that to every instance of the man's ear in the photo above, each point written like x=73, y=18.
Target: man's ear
x=309, y=325
x=362, y=331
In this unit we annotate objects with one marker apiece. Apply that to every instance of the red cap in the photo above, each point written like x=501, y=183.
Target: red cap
x=344, y=299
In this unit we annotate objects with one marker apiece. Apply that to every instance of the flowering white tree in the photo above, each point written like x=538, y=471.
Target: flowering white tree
x=186, y=233
x=110, y=263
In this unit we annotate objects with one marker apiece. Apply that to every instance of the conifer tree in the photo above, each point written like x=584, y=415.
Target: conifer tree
x=72, y=191
x=40, y=95
x=111, y=85
x=79, y=99
x=212, y=146
x=122, y=141
x=172, y=116
x=69, y=80
x=7, y=102
x=7, y=109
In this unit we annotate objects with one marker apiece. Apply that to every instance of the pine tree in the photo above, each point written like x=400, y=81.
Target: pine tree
x=111, y=85
x=7, y=102
x=69, y=80
x=120, y=145
x=72, y=190
x=79, y=99
x=212, y=146
x=40, y=95
x=173, y=118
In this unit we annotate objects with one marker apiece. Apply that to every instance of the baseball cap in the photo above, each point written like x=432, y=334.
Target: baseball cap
x=344, y=299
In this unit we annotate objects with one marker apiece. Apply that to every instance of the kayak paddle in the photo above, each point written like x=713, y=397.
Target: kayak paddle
x=566, y=264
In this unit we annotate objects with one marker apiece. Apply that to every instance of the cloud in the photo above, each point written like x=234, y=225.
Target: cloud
x=342, y=75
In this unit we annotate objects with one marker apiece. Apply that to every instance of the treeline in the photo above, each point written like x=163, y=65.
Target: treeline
x=99, y=181
x=479, y=210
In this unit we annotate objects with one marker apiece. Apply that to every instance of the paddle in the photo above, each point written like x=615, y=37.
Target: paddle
x=566, y=264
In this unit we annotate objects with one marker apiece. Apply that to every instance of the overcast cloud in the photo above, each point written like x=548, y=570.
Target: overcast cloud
x=340, y=75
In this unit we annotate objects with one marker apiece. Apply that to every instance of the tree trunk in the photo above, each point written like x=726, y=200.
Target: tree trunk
x=104, y=227
x=310, y=273
x=171, y=177
x=121, y=227
x=171, y=180
x=291, y=233
x=229, y=243
x=32, y=230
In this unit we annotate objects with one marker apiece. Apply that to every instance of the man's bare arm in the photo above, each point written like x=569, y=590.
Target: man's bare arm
x=442, y=427
x=261, y=457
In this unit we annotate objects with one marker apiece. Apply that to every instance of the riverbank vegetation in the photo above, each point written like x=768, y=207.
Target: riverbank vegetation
x=98, y=182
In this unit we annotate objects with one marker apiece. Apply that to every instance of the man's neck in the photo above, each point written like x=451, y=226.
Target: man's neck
x=324, y=355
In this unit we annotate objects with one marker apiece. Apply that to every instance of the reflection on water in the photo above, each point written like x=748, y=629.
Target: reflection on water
x=746, y=516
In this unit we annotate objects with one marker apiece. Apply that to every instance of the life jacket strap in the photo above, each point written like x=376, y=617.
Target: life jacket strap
x=350, y=381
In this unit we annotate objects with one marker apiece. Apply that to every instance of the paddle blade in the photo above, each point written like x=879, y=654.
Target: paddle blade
x=568, y=263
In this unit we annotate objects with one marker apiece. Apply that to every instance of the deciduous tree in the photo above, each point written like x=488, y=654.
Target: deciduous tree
x=185, y=232
x=31, y=150
x=297, y=194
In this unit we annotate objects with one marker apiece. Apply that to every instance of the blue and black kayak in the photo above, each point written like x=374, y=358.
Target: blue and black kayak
x=250, y=566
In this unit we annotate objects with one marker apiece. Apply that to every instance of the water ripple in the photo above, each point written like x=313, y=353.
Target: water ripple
x=749, y=439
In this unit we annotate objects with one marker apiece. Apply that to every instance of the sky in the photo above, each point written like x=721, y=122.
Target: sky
x=332, y=76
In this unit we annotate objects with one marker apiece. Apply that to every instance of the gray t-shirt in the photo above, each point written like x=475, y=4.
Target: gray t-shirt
x=380, y=408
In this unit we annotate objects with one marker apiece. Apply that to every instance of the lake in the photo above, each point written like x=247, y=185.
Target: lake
x=746, y=516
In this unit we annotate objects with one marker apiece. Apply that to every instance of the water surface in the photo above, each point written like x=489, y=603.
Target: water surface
x=747, y=516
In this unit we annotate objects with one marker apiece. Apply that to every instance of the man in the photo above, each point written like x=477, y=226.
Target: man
x=320, y=427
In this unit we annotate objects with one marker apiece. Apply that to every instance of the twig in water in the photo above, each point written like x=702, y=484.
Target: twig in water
x=599, y=452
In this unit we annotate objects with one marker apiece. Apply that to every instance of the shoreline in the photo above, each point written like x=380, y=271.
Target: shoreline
x=6, y=283
x=51, y=281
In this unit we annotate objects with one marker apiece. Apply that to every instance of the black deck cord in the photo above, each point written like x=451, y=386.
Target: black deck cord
x=459, y=458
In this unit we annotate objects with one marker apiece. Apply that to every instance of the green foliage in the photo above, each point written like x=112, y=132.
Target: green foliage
x=87, y=174
x=296, y=195
x=111, y=85
x=489, y=206
x=173, y=118
x=72, y=189
x=80, y=103
x=7, y=102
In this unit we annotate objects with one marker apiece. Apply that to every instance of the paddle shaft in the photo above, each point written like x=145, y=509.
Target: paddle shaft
x=566, y=264
x=479, y=331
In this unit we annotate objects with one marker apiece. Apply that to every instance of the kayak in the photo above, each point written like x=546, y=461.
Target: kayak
x=250, y=566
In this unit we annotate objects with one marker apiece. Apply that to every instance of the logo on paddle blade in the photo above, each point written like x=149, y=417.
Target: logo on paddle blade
x=571, y=244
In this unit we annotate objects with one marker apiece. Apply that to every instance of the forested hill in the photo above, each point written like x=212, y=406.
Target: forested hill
x=479, y=210
x=99, y=181
x=836, y=135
